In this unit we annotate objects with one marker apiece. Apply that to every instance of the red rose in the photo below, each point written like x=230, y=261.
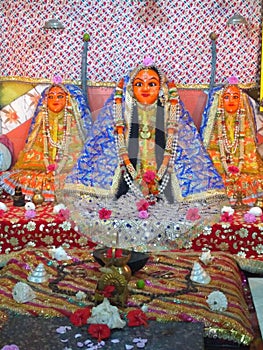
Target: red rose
x=136, y=318
x=226, y=217
x=80, y=316
x=104, y=213
x=108, y=291
x=142, y=205
x=99, y=331
x=233, y=169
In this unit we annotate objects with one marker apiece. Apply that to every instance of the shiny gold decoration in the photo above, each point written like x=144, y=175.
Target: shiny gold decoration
x=118, y=281
x=120, y=263
x=38, y=198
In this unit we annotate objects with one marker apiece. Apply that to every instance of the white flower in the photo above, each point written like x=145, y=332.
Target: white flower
x=3, y=206
x=31, y=226
x=217, y=301
x=58, y=207
x=31, y=244
x=30, y=206
x=80, y=295
x=66, y=226
x=107, y=314
x=255, y=211
x=207, y=230
x=241, y=254
x=228, y=210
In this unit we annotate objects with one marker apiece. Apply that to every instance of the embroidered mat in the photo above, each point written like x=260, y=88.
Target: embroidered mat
x=166, y=291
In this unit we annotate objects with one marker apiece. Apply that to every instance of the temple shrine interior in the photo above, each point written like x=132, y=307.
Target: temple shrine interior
x=131, y=175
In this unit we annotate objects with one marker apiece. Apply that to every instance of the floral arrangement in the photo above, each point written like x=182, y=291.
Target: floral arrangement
x=104, y=317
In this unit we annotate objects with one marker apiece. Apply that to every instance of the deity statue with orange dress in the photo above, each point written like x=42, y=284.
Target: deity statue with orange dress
x=229, y=133
x=57, y=133
x=144, y=159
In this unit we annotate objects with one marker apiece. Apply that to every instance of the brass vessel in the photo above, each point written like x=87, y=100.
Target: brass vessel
x=38, y=197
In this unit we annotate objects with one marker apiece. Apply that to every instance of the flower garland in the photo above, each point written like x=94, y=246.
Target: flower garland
x=63, y=145
x=228, y=149
x=169, y=152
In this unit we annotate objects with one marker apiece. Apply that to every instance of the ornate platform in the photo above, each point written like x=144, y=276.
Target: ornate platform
x=243, y=239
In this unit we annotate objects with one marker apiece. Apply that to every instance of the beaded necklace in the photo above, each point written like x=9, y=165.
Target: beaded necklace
x=61, y=146
x=129, y=172
x=226, y=147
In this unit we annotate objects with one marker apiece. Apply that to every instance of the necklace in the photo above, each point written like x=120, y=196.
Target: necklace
x=145, y=132
x=130, y=173
x=60, y=146
x=227, y=148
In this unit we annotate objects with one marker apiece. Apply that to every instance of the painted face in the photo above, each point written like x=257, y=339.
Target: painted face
x=231, y=99
x=146, y=86
x=56, y=99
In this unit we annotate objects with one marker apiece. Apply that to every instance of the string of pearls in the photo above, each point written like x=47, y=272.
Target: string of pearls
x=228, y=149
x=63, y=145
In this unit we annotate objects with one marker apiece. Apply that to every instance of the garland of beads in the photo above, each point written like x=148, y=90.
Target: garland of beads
x=170, y=147
x=53, y=285
x=62, y=146
x=227, y=147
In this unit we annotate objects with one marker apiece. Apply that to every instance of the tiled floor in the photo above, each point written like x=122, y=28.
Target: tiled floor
x=256, y=287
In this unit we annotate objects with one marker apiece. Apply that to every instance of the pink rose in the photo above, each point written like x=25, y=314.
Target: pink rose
x=149, y=176
x=52, y=167
x=64, y=214
x=148, y=61
x=104, y=213
x=250, y=218
x=193, y=214
x=143, y=214
x=57, y=79
x=232, y=80
x=142, y=205
x=30, y=214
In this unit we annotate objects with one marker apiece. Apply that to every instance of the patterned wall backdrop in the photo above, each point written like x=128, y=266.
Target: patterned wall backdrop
x=123, y=32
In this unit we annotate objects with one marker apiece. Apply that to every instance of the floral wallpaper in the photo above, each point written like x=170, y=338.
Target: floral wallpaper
x=175, y=33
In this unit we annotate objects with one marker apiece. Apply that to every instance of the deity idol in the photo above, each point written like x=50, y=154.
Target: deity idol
x=229, y=133
x=58, y=130
x=144, y=170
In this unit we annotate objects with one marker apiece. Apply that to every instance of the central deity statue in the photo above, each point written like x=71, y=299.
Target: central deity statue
x=144, y=176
